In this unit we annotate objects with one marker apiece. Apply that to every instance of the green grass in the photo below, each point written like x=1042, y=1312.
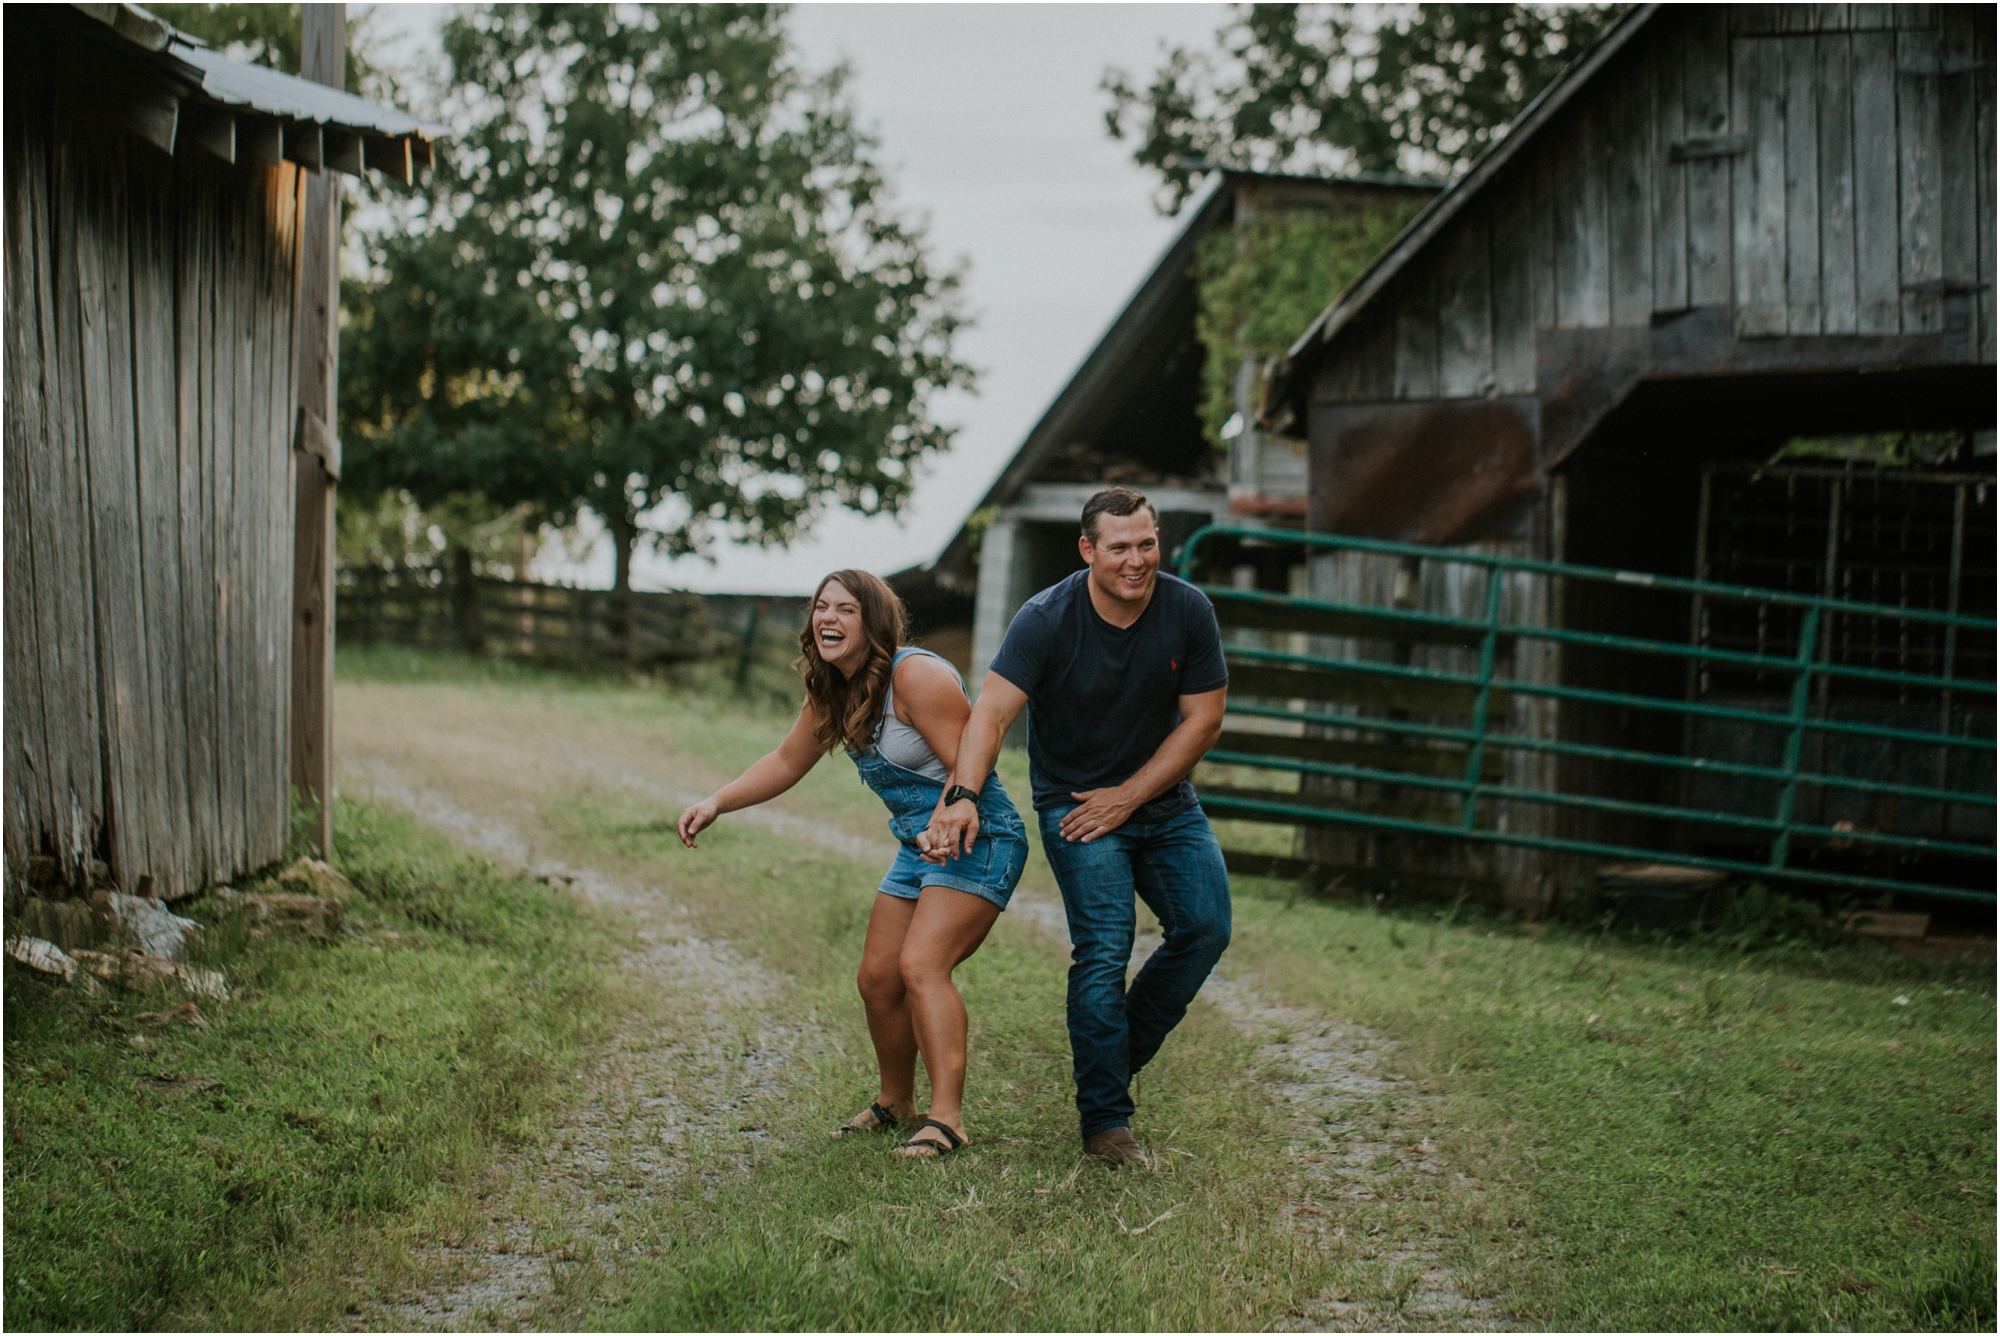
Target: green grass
x=770, y=685
x=391, y=663
x=359, y=1088
x=1675, y=1135
x=1745, y=1129
x=1740, y=1130
x=1016, y=1231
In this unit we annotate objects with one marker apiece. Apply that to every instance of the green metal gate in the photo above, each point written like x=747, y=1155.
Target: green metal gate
x=1902, y=730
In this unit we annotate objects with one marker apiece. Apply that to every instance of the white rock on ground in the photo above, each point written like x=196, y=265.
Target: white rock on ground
x=145, y=924
x=38, y=953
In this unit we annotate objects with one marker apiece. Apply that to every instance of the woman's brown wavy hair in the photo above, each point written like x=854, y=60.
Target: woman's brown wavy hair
x=849, y=708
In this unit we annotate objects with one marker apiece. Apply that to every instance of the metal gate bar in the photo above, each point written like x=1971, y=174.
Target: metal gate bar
x=1807, y=664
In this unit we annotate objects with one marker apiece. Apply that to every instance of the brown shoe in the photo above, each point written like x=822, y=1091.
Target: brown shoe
x=1116, y=1145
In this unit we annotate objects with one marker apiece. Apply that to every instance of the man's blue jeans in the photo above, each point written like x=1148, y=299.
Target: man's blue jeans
x=1175, y=866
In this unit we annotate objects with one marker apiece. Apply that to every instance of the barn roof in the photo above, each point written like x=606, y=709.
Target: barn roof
x=1296, y=370
x=1136, y=350
x=238, y=110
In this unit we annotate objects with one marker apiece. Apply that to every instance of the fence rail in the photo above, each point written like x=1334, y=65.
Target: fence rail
x=479, y=614
x=1451, y=765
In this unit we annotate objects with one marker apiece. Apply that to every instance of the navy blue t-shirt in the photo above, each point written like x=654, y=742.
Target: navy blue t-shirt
x=1102, y=698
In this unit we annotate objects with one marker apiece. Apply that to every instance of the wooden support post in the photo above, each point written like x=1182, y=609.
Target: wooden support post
x=317, y=449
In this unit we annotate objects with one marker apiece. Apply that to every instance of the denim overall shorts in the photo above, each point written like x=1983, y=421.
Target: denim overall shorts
x=998, y=856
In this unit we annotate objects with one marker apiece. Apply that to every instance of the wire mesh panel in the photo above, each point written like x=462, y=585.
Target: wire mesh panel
x=1893, y=539
x=1890, y=538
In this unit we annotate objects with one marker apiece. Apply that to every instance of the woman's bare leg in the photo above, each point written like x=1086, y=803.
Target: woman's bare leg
x=948, y=926
x=887, y=1003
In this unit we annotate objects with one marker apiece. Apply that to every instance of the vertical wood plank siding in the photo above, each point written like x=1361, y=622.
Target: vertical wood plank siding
x=149, y=386
x=1814, y=169
x=1979, y=41
x=1835, y=122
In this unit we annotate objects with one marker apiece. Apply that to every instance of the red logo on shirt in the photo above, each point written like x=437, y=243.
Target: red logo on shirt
x=1173, y=665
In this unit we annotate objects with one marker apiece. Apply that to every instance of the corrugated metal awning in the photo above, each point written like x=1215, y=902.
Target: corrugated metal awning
x=245, y=112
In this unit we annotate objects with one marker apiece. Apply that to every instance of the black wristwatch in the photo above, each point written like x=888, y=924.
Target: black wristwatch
x=959, y=793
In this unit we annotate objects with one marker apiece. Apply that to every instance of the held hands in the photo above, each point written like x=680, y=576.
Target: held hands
x=697, y=819
x=1103, y=811
x=951, y=832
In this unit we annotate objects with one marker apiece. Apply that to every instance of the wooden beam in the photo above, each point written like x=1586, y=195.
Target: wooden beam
x=153, y=113
x=389, y=156
x=304, y=145
x=260, y=139
x=342, y=150
x=210, y=129
x=317, y=456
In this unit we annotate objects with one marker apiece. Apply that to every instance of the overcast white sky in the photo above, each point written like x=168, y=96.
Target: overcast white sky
x=992, y=127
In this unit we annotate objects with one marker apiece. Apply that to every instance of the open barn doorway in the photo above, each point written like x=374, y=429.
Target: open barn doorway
x=1886, y=499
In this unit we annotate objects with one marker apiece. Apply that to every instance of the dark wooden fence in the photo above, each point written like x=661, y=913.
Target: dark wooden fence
x=148, y=550
x=454, y=610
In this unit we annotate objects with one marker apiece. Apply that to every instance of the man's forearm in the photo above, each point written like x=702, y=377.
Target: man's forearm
x=978, y=746
x=1175, y=759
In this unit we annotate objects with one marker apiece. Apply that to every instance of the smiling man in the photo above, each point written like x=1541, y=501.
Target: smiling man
x=1120, y=669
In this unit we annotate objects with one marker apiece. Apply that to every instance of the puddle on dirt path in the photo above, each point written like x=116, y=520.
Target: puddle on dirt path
x=1334, y=1079
x=650, y=1098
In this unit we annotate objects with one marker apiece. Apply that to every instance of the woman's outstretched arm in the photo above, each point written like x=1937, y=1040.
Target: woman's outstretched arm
x=769, y=776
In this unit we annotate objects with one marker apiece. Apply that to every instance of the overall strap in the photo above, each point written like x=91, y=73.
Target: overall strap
x=904, y=653
x=889, y=693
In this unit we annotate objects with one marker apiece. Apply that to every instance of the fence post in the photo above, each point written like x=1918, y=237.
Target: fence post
x=743, y=660
x=465, y=602
x=1794, y=741
x=323, y=44
x=1475, y=756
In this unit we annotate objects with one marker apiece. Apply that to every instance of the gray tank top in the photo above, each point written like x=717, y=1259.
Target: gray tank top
x=900, y=744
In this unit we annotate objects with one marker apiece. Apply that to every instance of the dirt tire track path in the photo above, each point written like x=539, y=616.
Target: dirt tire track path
x=656, y=1093
x=693, y=1067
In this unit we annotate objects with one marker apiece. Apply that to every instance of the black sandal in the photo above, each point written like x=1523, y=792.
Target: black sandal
x=930, y=1150
x=884, y=1121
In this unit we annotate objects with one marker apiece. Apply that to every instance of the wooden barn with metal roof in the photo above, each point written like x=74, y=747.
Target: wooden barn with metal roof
x=171, y=284
x=1717, y=310
x=1735, y=222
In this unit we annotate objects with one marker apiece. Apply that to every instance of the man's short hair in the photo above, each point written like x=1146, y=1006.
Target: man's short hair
x=1119, y=501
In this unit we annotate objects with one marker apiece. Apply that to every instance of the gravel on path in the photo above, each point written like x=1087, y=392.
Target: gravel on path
x=1333, y=1077
x=650, y=1097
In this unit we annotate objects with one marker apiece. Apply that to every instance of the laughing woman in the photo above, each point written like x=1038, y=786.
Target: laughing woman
x=898, y=711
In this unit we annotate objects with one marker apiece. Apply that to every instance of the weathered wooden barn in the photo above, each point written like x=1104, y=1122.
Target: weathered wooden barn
x=1751, y=221
x=153, y=316
x=1725, y=229
x=1131, y=414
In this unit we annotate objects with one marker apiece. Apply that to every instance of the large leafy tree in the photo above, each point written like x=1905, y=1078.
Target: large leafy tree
x=1313, y=88
x=656, y=276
